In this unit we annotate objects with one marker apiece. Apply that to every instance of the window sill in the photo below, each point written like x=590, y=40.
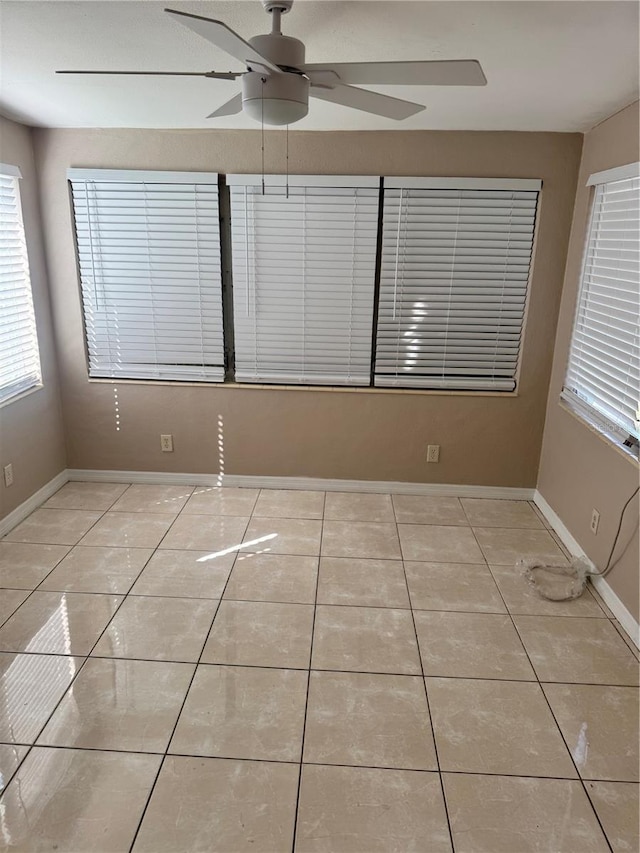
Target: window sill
x=348, y=389
x=21, y=395
x=611, y=439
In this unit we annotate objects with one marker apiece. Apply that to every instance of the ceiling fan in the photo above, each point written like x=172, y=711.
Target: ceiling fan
x=277, y=83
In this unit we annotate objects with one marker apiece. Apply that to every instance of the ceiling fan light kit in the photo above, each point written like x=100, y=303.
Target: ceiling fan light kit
x=283, y=98
x=277, y=83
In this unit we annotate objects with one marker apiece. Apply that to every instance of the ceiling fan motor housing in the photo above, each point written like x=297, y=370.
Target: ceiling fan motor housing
x=278, y=98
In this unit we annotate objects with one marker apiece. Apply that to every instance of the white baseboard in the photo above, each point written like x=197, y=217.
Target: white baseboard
x=26, y=507
x=157, y=478
x=610, y=598
x=251, y=482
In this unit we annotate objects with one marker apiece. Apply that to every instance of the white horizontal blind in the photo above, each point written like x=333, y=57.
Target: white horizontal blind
x=453, y=285
x=603, y=374
x=149, y=258
x=19, y=358
x=303, y=279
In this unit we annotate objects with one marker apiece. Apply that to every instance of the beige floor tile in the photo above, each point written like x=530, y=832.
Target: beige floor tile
x=453, y=586
x=158, y=629
x=471, y=645
x=503, y=814
x=148, y=498
x=436, y=544
x=10, y=600
x=368, y=720
x=428, y=509
x=375, y=540
x=129, y=530
x=360, y=810
x=206, y=533
x=616, y=804
x=273, y=577
x=73, y=800
x=520, y=597
x=365, y=639
x=180, y=574
x=24, y=566
x=221, y=500
x=220, y=806
x=243, y=712
x=600, y=726
x=490, y=513
x=96, y=496
x=498, y=727
x=374, y=583
x=507, y=546
x=130, y=705
x=11, y=754
x=98, y=570
x=635, y=651
x=259, y=633
x=54, y=526
x=31, y=686
x=299, y=536
x=577, y=650
x=62, y=623
x=289, y=503
x=352, y=506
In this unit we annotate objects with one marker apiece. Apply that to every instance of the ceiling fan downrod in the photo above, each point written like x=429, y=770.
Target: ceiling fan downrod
x=277, y=8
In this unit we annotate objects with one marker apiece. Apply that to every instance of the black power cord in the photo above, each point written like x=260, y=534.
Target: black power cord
x=615, y=540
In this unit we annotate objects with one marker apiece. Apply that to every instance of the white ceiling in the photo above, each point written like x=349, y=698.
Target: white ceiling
x=560, y=66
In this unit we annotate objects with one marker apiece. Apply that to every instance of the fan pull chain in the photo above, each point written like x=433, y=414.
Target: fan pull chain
x=287, y=148
x=262, y=128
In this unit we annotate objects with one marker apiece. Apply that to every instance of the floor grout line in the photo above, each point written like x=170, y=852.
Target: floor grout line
x=428, y=705
x=182, y=705
x=306, y=704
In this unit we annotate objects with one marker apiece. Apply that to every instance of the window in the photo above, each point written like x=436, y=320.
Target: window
x=453, y=285
x=303, y=278
x=149, y=259
x=603, y=375
x=19, y=357
x=327, y=280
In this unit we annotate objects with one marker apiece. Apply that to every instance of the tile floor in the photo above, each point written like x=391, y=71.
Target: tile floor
x=366, y=673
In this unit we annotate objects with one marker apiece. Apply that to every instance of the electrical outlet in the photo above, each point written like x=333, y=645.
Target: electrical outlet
x=166, y=443
x=8, y=475
x=433, y=453
x=595, y=521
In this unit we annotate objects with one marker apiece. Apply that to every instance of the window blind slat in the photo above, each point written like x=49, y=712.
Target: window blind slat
x=303, y=281
x=149, y=262
x=453, y=286
x=603, y=374
x=19, y=356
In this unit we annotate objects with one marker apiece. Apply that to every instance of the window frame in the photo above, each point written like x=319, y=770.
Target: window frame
x=346, y=194
x=444, y=184
x=602, y=424
x=31, y=381
x=191, y=179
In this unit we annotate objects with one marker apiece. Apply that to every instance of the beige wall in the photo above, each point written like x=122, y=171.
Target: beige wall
x=485, y=440
x=31, y=435
x=579, y=470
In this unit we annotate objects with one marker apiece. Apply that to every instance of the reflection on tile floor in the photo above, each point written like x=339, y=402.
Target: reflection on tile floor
x=194, y=668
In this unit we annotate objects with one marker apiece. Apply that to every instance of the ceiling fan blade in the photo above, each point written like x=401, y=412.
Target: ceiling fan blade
x=216, y=75
x=231, y=108
x=454, y=72
x=369, y=102
x=226, y=39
